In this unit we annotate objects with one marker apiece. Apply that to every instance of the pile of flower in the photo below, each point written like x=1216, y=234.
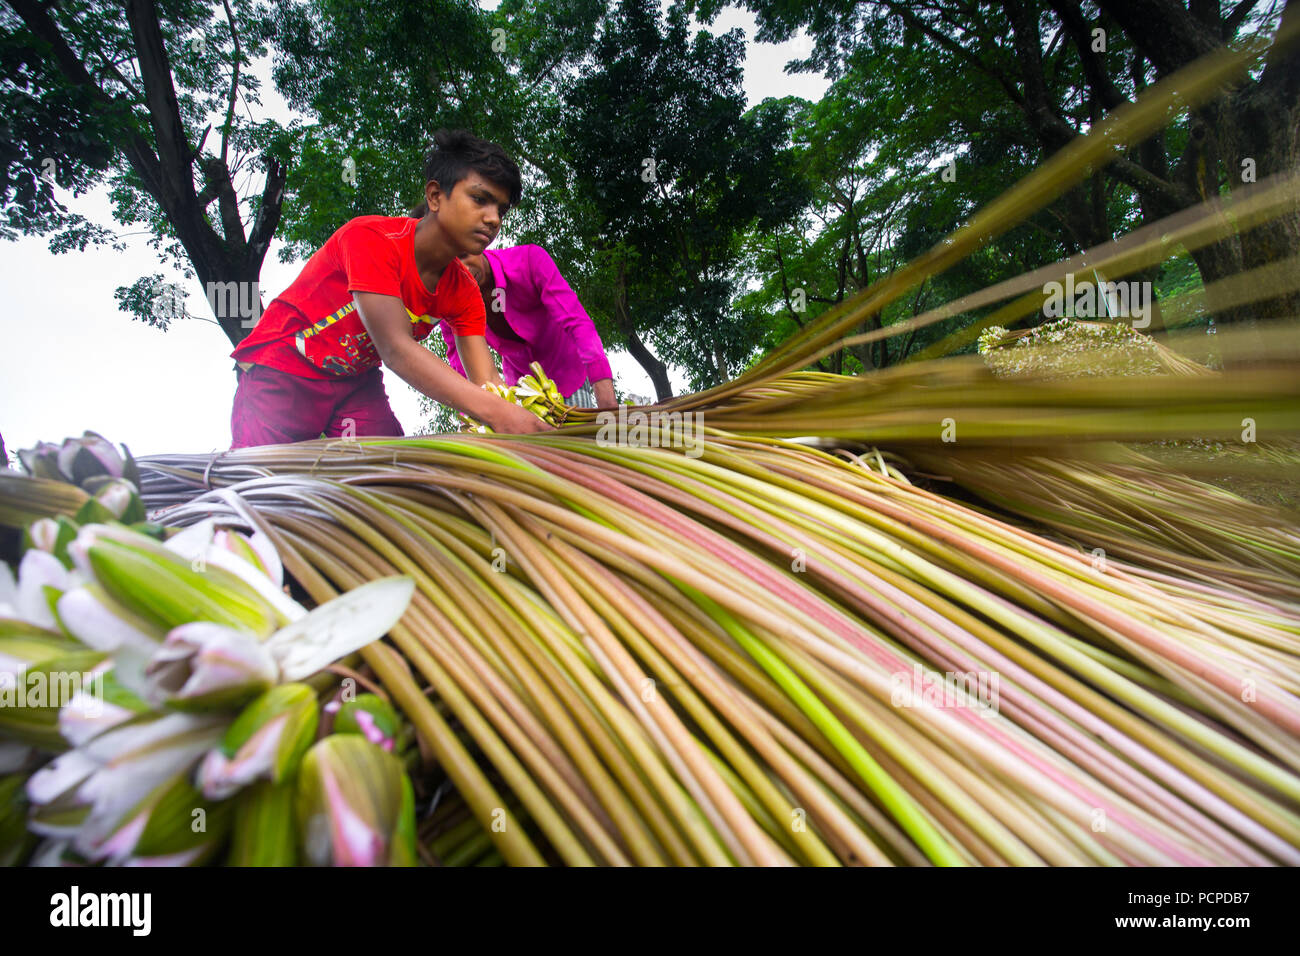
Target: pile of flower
x=153, y=704
x=535, y=392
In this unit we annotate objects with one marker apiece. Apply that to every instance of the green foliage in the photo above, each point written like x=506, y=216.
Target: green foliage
x=87, y=105
x=669, y=172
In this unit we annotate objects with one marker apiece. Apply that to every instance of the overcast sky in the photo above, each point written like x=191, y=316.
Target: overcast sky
x=73, y=361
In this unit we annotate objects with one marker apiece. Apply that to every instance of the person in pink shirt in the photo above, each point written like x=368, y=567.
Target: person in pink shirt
x=534, y=316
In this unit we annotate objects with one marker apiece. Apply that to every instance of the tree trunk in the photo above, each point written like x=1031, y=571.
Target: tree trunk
x=656, y=369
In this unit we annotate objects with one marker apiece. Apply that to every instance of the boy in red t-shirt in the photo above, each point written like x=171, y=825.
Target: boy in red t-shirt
x=377, y=287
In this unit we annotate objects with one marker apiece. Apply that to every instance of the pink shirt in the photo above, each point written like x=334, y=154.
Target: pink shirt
x=543, y=311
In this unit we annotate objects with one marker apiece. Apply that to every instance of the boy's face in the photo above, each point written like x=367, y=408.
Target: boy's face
x=471, y=214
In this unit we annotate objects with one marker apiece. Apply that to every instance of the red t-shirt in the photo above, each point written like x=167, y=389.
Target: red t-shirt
x=312, y=329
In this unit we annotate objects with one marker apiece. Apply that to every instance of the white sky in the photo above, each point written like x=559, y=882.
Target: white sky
x=76, y=362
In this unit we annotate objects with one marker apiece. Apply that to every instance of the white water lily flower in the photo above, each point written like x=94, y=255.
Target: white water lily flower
x=208, y=664
x=38, y=570
x=101, y=623
x=87, y=715
x=133, y=764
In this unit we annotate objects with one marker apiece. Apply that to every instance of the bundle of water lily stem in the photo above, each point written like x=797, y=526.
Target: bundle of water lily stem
x=946, y=613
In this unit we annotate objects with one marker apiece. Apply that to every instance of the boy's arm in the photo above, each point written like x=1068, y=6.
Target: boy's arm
x=386, y=321
x=476, y=358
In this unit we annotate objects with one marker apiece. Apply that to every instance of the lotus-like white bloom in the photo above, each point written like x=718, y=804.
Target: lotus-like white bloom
x=206, y=663
x=87, y=715
x=90, y=456
x=119, y=776
x=37, y=571
x=99, y=622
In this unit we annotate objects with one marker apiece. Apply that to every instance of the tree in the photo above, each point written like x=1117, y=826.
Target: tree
x=1058, y=66
x=669, y=171
x=130, y=95
x=411, y=68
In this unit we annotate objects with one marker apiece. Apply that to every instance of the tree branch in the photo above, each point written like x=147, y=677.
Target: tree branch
x=268, y=214
x=174, y=152
x=138, y=152
x=234, y=80
x=1094, y=68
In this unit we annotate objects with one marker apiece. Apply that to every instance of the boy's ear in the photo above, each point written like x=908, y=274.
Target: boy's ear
x=432, y=194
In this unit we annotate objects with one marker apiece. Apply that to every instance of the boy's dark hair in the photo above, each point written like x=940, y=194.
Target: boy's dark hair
x=456, y=153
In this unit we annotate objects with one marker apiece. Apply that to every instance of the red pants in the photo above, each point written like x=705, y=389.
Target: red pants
x=275, y=408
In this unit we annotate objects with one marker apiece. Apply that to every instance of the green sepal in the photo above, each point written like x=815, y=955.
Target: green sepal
x=264, y=831
x=164, y=589
x=66, y=534
x=94, y=512
x=38, y=725
x=172, y=821
x=16, y=844
x=297, y=737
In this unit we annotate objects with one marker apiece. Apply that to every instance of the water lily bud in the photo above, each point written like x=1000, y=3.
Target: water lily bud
x=102, y=794
x=355, y=805
x=26, y=721
x=373, y=718
x=266, y=742
x=253, y=560
x=204, y=666
x=23, y=643
x=89, y=456
x=44, y=534
x=121, y=500
x=158, y=585
x=41, y=461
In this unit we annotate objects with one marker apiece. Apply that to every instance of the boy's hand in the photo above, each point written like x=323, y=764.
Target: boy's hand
x=510, y=419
